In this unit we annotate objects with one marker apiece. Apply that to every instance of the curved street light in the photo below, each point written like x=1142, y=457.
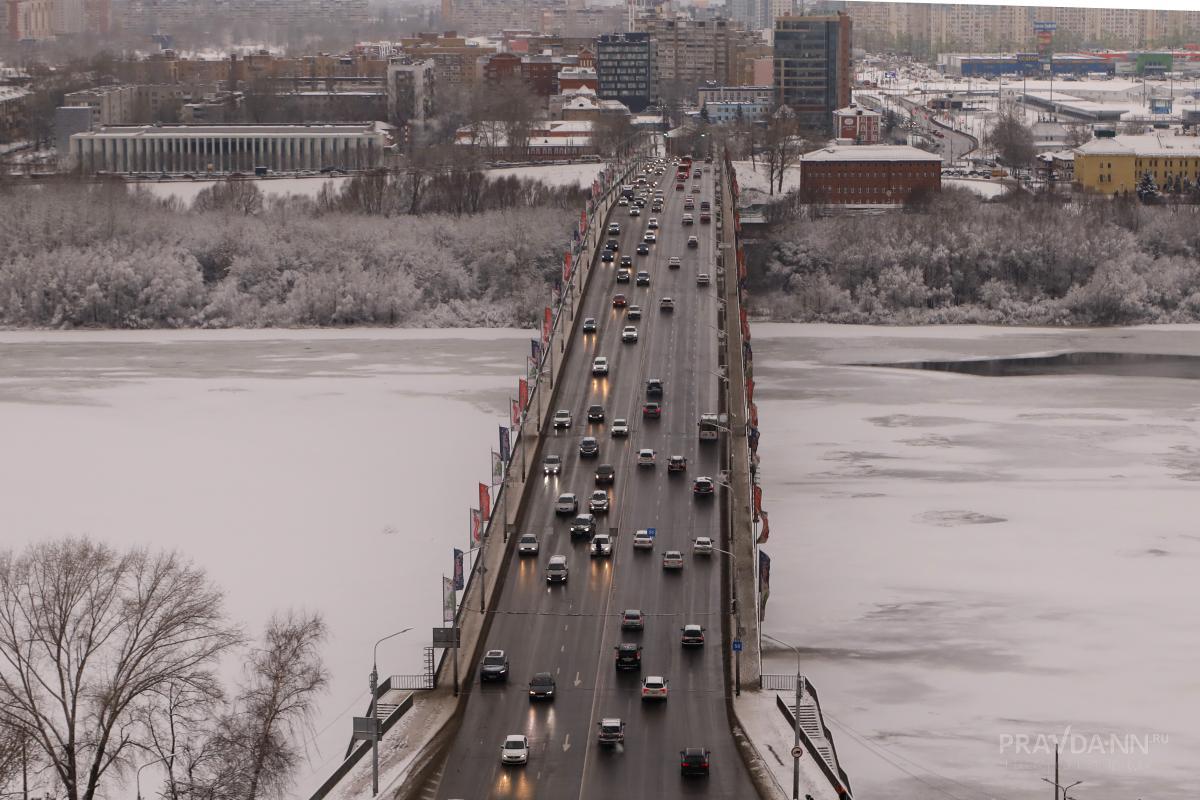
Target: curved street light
x=796, y=717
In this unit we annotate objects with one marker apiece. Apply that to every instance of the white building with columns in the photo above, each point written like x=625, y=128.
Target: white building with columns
x=224, y=149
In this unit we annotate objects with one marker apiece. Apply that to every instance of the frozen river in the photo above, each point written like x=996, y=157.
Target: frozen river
x=972, y=564
x=965, y=560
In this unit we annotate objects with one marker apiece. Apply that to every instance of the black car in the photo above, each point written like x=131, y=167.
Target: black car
x=589, y=325
x=494, y=667
x=583, y=525
x=607, y=256
x=605, y=474
x=694, y=761
x=629, y=656
x=643, y=249
x=589, y=447
x=692, y=636
x=595, y=413
x=541, y=686
x=613, y=245
x=654, y=387
x=626, y=261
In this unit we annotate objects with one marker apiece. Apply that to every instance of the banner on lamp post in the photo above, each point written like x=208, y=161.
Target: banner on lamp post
x=476, y=527
x=547, y=323
x=535, y=350
x=458, y=570
x=497, y=469
x=485, y=502
x=505, y=444
x=447, y=600
x=523, y=393
x=533, y=369
x=515, y=413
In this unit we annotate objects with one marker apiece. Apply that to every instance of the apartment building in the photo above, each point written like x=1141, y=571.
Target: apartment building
x=411, y=87
x=692, y=52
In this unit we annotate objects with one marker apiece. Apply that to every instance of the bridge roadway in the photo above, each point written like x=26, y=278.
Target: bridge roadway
x=571, y=630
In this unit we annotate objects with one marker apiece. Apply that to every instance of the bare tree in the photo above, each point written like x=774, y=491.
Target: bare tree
x=1012, y=140
x=1078, y=133
x=176, y=719
x=239, y=196
x=86, y=634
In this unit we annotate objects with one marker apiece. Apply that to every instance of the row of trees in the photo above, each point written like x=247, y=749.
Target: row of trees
x=955, y=258
x=109, y=659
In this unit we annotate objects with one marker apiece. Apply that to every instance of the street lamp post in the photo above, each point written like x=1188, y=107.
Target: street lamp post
x=138, y=775
x=796, y=747
x=373, y=682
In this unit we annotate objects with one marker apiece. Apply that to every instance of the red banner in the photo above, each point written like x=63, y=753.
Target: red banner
x=523, y=392
x=765, y=533
x=750, y=390
x=485, y=502
x=582, y=221
x=476, y=526
x=566, y=267
x=516, y=412
x=546, y=325
x=757, y=501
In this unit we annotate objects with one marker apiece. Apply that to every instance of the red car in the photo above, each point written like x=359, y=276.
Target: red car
x=652, y=410
x=679, y=187
x=619, y=301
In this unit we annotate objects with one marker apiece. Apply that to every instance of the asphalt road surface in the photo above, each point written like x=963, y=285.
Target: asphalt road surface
x=571, y=630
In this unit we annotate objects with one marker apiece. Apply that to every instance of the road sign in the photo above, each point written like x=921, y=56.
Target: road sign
x=366, y=728
x=797, y=751
x=445, y=637
x=652, y=532
x=737, y=645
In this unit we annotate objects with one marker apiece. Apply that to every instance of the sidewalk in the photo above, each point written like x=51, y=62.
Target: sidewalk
x=772, y=737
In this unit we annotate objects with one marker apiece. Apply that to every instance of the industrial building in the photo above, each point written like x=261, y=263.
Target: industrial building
x=961, y=65
x=223, y=149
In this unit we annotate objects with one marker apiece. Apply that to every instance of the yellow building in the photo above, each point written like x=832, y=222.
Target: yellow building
x=1115, y=164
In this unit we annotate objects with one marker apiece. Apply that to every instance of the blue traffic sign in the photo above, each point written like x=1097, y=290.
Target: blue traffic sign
x=651, y=531
x=737, y=645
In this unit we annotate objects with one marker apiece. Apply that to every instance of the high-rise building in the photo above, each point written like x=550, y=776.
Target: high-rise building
x=625, y=69
x=410, y=90
x=754, y=15
x=692, y=52
x=812, y=66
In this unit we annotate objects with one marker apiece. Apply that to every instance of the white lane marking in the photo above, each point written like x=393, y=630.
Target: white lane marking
x=562, y=649
x=577, y=681
x=567, y=743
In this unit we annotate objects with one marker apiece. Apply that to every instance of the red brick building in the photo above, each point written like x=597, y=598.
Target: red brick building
x=868, y=174
x=858, y=124
x=501, y=66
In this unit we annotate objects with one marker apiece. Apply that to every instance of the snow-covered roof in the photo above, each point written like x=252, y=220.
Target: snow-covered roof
x=856, y=111
x=8, y=93
x=868, y=152
x=1149, y=144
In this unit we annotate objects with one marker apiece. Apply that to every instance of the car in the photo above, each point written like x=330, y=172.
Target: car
x=595, y=413
x=654, y=387
x=645, y=457
x=666, y=304
x=672, y=559
x=634, y=312
x=703, y=487
x=600, y=365
x=515, y=749
x=601, y=545
x=627, y=261
x=643, y=278
x=676, y=464
x=708, y=159
x=619, y=427
x=542, y=686
x=650, y=237
x=705, y=205
x=612, y=245
x=598, y=503
x=640, y=202
x=693, y=242
x=567, y=503
x=695, y=190
x=705, y=218
x=612, y=731
x=589, y=447
x=643, y=249
x=652, y=223
x=527, y=545
x=607, y=256
x=654, y=687
x=624, y=201
x=632, y=619
x=688, y=219
x=556, y=569
x=619, y=301
x=673, y=262
x=494, y=666
x=642, y=540
x=656, y=208
x=614, y=229
x=583, y=525
x=629, y=656
x=688, y=204
x=589, y=325
x=552, y=464
x=703, y=546
x=692, y=635
x=652, y=410
x=696, y=175
x=703, y=279
x=629, y=334
x=634, y=211
x=623, y=275
x=679, y=187
x=693, y=762
x=605, y=474
x=562, y=418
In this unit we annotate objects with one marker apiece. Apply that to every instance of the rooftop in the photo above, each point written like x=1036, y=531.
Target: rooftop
x=173, y=131
x=1150, y=144
x=882, y=152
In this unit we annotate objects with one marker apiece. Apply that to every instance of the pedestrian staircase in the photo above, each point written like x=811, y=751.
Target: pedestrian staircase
x=812, y=725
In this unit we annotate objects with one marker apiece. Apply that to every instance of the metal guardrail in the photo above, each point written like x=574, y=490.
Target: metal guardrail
x=777, y=683
x=411, y=682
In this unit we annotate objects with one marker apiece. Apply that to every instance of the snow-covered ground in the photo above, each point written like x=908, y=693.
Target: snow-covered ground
x=328, y=470
x=983, y=187
x=553, y=174
x=971, y=560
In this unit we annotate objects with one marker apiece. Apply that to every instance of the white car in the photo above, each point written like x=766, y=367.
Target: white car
x=552, y=464
x=672, y=559
x=634, y=211
x=702, y=546
x=515, y=749
x=654, y=687
x=642, y=540
x=527, y=545
x=601, y=545
x=634, y=312
x=629, y=334
x=650, y=238
x=652, y=224
x=666, y=304
x=567, y=503
x=619, y=427
x=703, y=279
x=645, y=457
x=600, y=365
x=673, y=262
x=598, y=503
x=562, y=418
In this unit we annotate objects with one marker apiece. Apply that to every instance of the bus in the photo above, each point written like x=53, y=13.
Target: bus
x=710, y=426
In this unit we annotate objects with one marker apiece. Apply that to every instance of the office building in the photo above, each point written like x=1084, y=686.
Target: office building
x=812, y=66
x=625, y=69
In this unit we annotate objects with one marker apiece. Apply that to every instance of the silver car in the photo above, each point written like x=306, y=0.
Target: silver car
x=527, y=545
x=567, y=503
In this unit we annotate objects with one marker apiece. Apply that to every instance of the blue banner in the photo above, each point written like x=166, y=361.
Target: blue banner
x=535, y=350
x=504, y=444
x=458, y=570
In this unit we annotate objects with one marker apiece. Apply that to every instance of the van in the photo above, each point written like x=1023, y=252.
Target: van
x=556, y=570
x=627, y=191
